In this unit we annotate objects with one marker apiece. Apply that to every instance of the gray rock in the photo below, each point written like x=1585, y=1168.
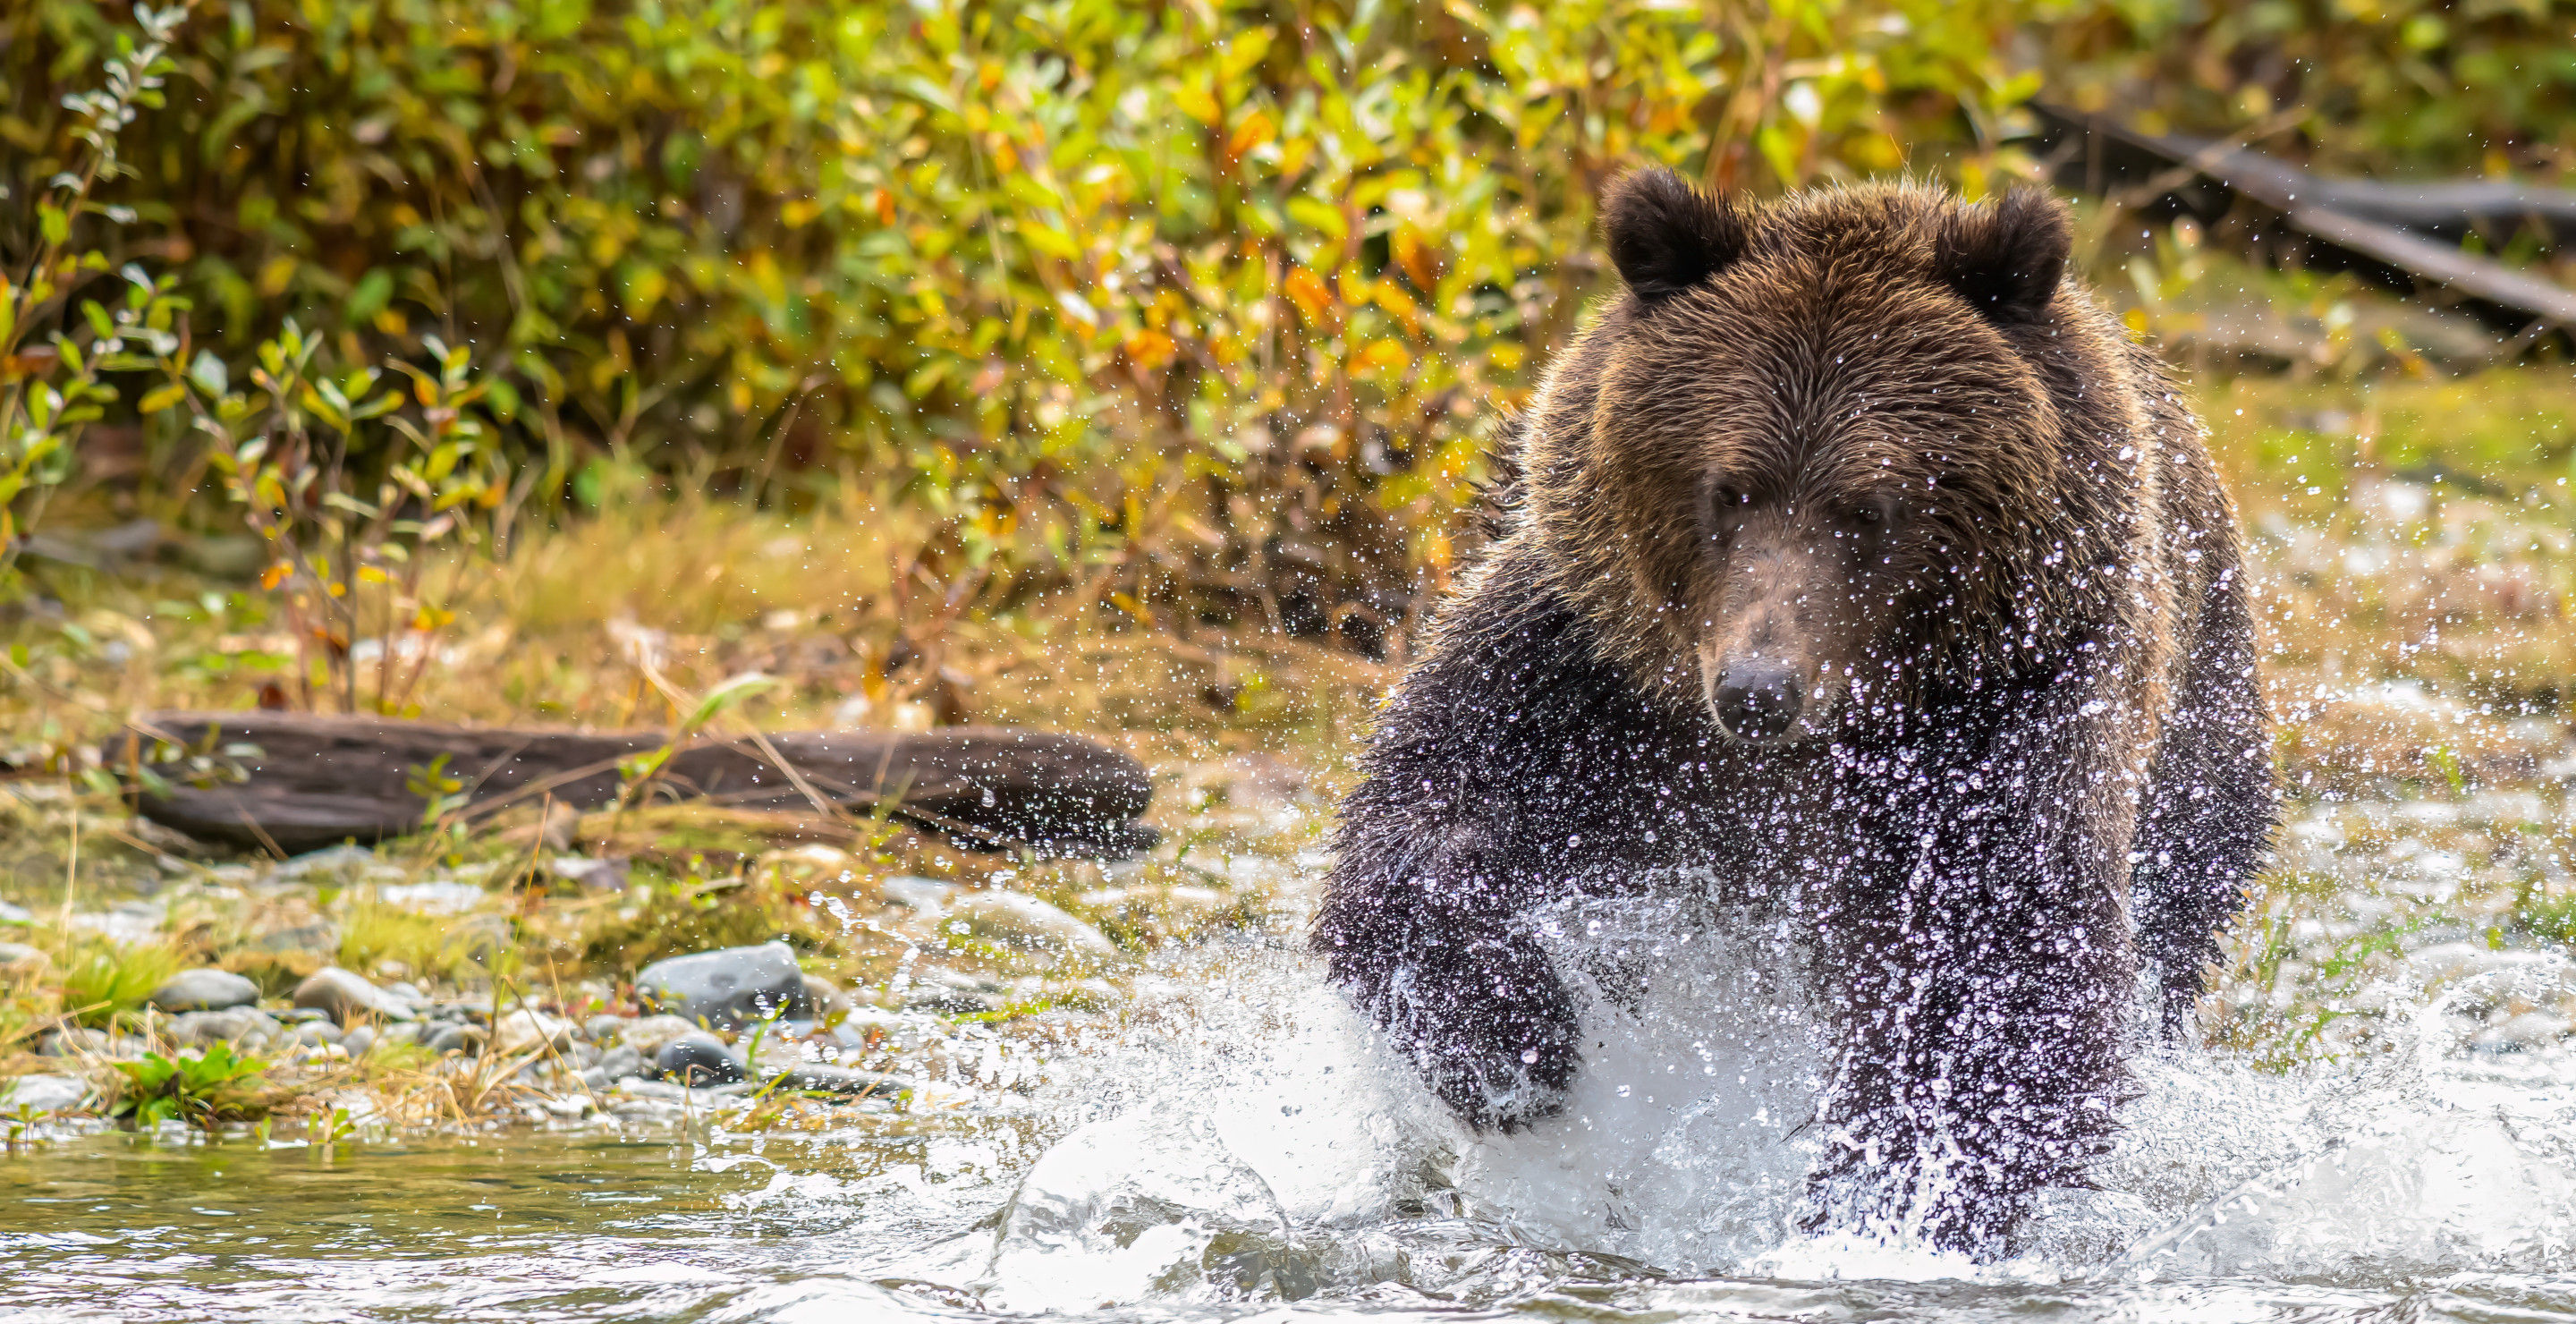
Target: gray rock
x=77, y=1042
x=204, y=990
x=246, y=1027
x=314, y=1034
x=405, y=1032
x=523, y=1030
x=322, y=937
x=605, y=1029
x=697, y=1058
x=928, y=894
x=728, y=988
x=359, y=1040
x=15, y=914
x=17, y=958
x=466, y=1039
x=43, y=1093
x=648, y=1035
x=302, y=1015
x=348, y=997
x=1016, y=919
x=619, y=1063
x=954, y=1002
x=824, y=1078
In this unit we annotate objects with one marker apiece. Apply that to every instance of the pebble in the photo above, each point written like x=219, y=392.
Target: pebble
x=697, y=1058
x=728, y=988
x=823, y=1078
x=315, y=1033
x=466, y=1039
x=605, y=1029
x=619, y=1063
x=347, y=996
x=359, y=1040
x=207, y=989
x=523, y=1030
x=648, y=1035
x=1016, y=919
x=43, y=1093
x=247, y=1027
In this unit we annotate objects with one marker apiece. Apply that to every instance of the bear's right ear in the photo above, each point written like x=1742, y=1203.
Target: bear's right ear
x=1666, y=236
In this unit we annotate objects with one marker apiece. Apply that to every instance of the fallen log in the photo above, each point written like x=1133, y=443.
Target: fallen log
x=2400, y=234
x=312, y=781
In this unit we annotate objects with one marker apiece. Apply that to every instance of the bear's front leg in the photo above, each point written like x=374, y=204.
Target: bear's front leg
x=1981, y=966
x=1426, y=942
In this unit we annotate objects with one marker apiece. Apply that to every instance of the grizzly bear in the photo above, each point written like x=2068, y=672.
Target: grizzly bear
x=1856, y=562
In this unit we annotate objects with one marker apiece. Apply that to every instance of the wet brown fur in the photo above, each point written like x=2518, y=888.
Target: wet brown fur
x=2047, y=768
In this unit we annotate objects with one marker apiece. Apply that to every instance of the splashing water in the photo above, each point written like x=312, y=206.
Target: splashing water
x=1282, y=1155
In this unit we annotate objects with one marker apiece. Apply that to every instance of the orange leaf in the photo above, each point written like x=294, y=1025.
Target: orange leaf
x=1308, y=290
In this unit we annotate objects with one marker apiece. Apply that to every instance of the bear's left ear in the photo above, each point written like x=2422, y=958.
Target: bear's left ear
x=1666, y=236
x=2005, y=258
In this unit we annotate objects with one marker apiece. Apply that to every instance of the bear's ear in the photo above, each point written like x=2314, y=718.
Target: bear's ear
x=1666, y=236
x=2006, y=258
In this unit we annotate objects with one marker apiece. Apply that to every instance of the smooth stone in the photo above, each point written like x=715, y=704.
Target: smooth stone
x=347, y=996
x=466, y=1039
x=697, y=1059
x=955, y=1002
x=323, y=937
x=620, y=1062
x=604, y=1029
x=15, y=914
x=525, y=1029
x=302, y=1015
x=315, y=1034
x=246, y=1026
x=80, y=1042
x=359, y=1040
x=917, y=893
x=1019, y=920
x=647, y=1035
x=208, y=989
x=43, y=1093
x=17, y=958
x=728, y=988
x=824, y=1078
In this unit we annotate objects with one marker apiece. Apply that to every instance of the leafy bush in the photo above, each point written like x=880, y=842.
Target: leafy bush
x=1149, y=304
x=1166, y=311
x=198, y=1089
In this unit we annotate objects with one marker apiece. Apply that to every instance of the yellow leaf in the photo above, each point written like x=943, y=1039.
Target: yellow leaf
x=161, y=399
x=1195, y=102
x=373, y=574
x=273, y=277
x=1383, y=355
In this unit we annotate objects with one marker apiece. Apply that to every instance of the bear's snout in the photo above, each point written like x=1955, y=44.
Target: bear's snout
x=1757, y=698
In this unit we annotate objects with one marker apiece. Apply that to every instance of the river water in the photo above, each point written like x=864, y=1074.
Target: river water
x=1235, y=1147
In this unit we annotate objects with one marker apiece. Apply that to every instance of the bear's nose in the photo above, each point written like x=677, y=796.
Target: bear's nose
x=1757, y=700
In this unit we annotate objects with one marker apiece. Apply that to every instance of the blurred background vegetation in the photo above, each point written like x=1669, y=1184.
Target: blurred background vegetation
x=1071, y=314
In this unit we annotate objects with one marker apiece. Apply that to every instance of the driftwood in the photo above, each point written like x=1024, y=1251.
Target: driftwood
x=2401, y=234
x=314, y=781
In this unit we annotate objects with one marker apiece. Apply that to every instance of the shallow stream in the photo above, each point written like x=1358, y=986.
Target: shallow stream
x=1235, y=1148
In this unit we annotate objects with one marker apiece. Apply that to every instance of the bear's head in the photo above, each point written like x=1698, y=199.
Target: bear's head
x=1828, y=456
